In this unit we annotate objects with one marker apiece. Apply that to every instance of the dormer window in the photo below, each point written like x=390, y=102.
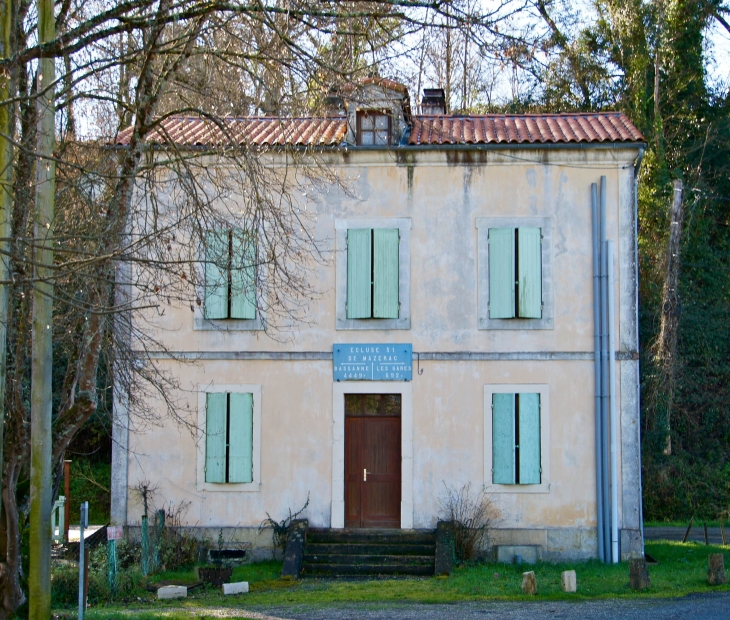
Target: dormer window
x=373, y=128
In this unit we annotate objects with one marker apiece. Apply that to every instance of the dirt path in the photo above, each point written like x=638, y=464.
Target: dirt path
x=677, y=533
x=697, y=607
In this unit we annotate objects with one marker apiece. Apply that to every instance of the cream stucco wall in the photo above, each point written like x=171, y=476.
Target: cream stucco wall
x=442, y=193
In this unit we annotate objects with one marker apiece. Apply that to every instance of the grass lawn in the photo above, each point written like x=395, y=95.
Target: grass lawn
x=681, y=569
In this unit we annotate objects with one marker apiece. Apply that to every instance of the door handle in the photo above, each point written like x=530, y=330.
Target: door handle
x=365, y=475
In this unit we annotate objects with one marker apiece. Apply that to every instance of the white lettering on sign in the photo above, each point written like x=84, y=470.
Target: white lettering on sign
x=372, y=362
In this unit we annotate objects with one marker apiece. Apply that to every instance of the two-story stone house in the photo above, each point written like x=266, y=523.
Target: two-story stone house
x=454, y=343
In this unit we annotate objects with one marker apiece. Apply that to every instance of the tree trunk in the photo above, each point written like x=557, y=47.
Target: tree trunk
x=10, y=590
x=667, y=342
x=41, y=473
x=6, y=206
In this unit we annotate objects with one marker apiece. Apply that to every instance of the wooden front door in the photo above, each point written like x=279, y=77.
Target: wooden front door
x=372, y=460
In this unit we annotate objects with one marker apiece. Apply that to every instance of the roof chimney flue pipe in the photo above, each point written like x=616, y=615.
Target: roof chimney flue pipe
x=433, y=102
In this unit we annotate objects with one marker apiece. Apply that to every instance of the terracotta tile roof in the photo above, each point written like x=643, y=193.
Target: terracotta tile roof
x=523, y=129
x=253, y=130
x=426, y=130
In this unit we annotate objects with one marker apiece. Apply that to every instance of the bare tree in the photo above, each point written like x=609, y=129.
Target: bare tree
x=136, y=64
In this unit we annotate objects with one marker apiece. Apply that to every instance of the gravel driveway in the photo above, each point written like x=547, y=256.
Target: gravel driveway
x=695, y=606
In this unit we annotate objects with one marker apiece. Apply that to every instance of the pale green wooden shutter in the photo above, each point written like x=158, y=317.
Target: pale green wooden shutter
x=359, y=273
x=501, y=273
x=240, y=438
x=503, y=438
x=243, y=275
x=215, y=437
x=529, y=260
x=216, y=274
x=529, y=438
x=385, y=273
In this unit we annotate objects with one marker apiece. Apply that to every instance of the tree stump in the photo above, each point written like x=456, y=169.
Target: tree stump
x=639, y=574
x=529, y=583
x=716, y=575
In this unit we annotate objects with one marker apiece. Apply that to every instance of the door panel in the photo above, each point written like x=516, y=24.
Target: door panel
x=372, y=443
x=381, y=458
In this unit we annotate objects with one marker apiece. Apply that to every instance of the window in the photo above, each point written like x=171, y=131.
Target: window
x=373, y=129
x=516, y=438
x=229, y=437
x=373, y=273
x=515, y=273
x=230, y=275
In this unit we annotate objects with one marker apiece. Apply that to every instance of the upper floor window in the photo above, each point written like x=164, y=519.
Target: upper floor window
x=373, y=128
x=515, y=273
x=372, y=273
x=230, y=275
x=515, y=289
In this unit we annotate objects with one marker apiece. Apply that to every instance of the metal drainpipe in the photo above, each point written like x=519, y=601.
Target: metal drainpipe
x=612, y=402
x=604, y=378
x=597, y=370
x=637, y=166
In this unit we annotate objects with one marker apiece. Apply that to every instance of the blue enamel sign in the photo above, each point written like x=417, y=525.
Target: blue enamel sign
x=373, y=362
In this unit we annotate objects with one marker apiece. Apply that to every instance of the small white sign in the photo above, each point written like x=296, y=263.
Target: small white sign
x=114, y=532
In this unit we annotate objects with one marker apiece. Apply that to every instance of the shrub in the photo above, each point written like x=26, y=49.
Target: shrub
x=281, y=528
x=65, y=578
x=65, y=585
x=173, y=549
x=472, y=515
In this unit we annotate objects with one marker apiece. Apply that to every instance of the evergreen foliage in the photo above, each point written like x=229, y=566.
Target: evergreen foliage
x=649, y=60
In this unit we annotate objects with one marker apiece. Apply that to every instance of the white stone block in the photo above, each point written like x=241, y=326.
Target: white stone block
x=240, y=587
x=569, y=581
x=172, y=592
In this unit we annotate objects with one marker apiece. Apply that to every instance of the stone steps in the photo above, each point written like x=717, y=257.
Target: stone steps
x=357, y=570
x=373, y=549
x=356, y=552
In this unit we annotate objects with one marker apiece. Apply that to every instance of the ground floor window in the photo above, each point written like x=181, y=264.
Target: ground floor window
x=229, y=437
x=229, y=440
x=517, y=438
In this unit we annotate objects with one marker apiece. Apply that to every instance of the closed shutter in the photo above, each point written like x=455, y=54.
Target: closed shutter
x=529, y=438
x=385, y=273
x=503, y=438
x=215, y=437
x=529, y=259
x=240, y=438
x=243, y=275
x=359, y=273
x=216, y=274
x=501, y=273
